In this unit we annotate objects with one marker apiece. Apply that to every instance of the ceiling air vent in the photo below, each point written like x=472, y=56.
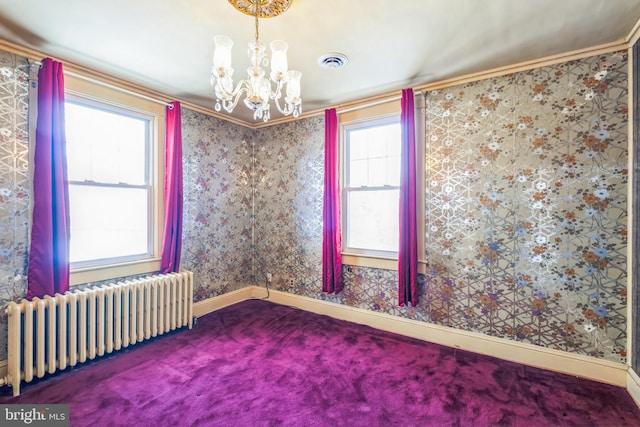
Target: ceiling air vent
x=333, y=61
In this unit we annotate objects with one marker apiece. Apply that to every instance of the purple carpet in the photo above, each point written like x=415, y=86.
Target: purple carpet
x=262, y=364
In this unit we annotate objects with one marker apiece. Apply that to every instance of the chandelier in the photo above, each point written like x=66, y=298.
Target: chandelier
x=257, y=89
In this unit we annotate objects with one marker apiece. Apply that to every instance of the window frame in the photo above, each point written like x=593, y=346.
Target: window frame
x=359, y=116
x=147, y=186
x=109, y=98
x=372, y=122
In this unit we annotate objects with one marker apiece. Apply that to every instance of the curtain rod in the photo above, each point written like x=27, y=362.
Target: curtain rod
x=373, y=103
x=110, y=86
x=368, y=104
x=127, y=91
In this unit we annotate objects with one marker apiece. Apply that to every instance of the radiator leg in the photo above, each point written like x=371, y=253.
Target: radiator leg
x=13, y=311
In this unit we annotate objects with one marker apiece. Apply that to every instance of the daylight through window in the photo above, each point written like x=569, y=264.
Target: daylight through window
x=110, y=192
x=371, y=186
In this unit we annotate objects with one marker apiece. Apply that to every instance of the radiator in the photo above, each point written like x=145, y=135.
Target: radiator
x=49, y=334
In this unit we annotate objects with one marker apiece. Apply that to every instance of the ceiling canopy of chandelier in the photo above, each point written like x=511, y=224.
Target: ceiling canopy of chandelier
x=257, y=88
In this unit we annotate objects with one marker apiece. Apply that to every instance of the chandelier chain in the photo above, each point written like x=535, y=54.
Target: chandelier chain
x=256, y=17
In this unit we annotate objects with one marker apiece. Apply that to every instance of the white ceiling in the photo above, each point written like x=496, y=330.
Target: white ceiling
x=167, y=45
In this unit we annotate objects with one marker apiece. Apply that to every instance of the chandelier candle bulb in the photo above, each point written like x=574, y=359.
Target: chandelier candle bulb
x=222, y=55
x=293, y=86
x=278, y=60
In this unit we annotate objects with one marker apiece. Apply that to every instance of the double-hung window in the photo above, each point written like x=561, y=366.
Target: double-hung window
x=371, y=186
x=371, y=141
x=112, y=152
x=109, y=184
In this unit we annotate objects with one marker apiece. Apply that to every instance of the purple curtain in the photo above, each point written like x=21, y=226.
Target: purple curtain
x=48, y=269
x=332, y=281
x=408, y=245
x=173, y=200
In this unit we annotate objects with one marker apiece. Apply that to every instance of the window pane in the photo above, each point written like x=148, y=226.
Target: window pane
x=380, y=171
x=358, y=172
x=107, y=222
x=372, y=220
x=104, y=146
x=374, y=156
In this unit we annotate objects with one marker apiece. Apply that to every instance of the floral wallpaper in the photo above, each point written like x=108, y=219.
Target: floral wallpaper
x=14, y=183
x=288, y=205
x=525, y=213
x=526, y=209
x=218, y=232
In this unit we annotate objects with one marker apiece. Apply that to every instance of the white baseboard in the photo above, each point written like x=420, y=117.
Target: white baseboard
x=201, y=308
x=633, y=385
x=582, y=366
x=572, y=364
x=604, y=371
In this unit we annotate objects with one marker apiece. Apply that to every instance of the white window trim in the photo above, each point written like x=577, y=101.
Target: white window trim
x=149, y=183
x=371, y=122
x=375, y=259
x=82, y=89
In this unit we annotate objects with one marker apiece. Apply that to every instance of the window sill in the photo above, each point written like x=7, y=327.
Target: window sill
x=81, y=276
x=372, y=261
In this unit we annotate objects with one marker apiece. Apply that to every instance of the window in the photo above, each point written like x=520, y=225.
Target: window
x=109, y=184
x=115, y=185
x=370, y=165
x=371, y=186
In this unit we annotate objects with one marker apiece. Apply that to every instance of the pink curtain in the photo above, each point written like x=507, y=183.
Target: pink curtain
x=408, y=245
x=48, y=268
x=332, y=281
x=173, y=200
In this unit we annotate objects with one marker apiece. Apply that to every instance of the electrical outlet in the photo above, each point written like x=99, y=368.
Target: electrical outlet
x=291, y=281
x=269, y=277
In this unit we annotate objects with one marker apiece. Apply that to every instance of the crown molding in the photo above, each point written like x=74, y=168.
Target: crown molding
x=634, y=35
x=527, y=65
x=37, y=56
x=622, y=44
x=472, y=77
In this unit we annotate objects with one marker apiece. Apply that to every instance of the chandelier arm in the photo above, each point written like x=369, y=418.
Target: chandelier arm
x=242, y=86
x=288, y=109
x=277, y=93
x=234, y=97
